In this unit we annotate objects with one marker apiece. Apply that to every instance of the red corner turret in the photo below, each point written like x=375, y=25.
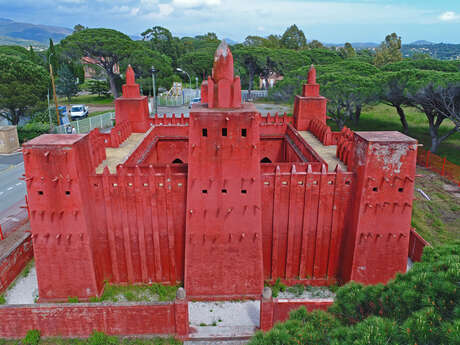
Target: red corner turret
x=130, y=89
x=310, y=105
x=131, y=106
x=222, y=90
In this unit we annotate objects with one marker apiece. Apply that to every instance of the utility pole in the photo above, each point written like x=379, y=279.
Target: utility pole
x=49, y=110
x=54, y=92
x=154, y=71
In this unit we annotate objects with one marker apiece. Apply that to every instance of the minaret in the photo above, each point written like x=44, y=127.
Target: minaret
x=311, y=105
x=223, y=250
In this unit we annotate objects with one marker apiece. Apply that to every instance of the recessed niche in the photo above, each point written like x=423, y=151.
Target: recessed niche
x=244, y=132
x=224, y=132
x=204, y=132
x=67, y=192
x=204, y=191
x=375, y=189
x=400, y=190
x=244, y=191
x=224, y=191
x=40, y=192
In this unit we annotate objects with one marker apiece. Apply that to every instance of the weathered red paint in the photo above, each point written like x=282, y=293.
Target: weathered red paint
x=277, y=310
x=81, y=320
x=199, y=206
x=16, y=251
x=416, y=245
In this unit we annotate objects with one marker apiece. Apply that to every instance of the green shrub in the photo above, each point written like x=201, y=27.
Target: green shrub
x=32, y=337
x=100, y=338
x=2, y=299
x=32, y=130
x=419, y=307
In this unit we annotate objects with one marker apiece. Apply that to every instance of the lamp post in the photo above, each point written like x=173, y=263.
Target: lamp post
x=188, y=75
x=54, y=90
x=196, y=86
x=154, y=72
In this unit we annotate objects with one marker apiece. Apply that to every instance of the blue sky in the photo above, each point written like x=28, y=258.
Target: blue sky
x=328, y=21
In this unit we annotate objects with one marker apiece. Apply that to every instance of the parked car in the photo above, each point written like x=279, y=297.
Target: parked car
x=194, y=101
x=78, y=112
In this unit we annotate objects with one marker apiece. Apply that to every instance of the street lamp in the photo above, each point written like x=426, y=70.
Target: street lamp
x=154, y=72
x=196, y=86
x=188, y=75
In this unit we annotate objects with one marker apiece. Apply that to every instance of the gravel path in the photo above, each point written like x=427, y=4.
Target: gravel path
x=24, y=290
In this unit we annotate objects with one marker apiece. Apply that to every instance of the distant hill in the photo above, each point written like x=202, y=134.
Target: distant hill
x=421, y=43
x=441, y=51
x=32, y=32
x=356, y=45
x=11, y=41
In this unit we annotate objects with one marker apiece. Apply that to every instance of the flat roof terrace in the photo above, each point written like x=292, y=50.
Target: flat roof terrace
x=328, y=153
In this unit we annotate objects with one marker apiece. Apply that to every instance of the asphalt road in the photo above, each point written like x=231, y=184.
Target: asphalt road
x=12, y=190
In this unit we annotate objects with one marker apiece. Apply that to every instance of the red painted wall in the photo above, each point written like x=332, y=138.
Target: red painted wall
x=277, y=310
x=17, y=251
x=80, y=320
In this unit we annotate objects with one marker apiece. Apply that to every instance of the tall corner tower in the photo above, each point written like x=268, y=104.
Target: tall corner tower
x=223, y=251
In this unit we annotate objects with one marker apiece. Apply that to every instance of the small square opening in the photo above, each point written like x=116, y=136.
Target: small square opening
x=205, y=132
x=224, y=132
x=204, y=191
x=244, y=132
x=244, y=191
x=224, y=191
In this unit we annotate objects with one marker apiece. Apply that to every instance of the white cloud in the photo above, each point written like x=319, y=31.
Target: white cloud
x=449, y=16
x=195, y=3
x=165, y=10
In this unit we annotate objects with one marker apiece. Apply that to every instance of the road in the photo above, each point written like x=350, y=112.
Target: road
x=12, y=189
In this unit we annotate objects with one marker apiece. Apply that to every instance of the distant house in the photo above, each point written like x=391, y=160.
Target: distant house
x=270, y=81
x=91, y=71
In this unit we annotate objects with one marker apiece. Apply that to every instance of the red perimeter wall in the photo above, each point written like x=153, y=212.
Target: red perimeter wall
x=19, y=252
x=80, y=320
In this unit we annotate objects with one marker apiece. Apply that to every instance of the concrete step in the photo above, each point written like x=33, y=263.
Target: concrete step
x=221, y=333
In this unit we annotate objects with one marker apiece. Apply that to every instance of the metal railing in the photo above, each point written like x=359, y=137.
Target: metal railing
x=86, y=125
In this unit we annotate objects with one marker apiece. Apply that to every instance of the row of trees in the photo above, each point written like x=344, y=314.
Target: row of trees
x=432, y=86
x=419, y=307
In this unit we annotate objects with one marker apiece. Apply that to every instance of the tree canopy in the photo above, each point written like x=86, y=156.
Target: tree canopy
x=23, y=85
x=419, y=307
x=293, y=38
x=106, y=47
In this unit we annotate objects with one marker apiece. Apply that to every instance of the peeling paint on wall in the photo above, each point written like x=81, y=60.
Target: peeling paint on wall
x=390, y=155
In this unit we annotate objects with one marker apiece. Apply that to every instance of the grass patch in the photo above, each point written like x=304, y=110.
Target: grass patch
x=137, y=293
x=25, y=272
x=87, y=100
x=99, y=112
x=97, y=338
x=2, y=299
x=384, y=118
x=436, y=220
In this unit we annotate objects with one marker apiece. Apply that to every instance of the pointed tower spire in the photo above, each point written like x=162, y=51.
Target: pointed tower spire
x=130, y=80
x=312, y=75
x=223, y=63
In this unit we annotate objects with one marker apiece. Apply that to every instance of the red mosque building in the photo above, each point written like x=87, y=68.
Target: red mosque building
x=221, y=201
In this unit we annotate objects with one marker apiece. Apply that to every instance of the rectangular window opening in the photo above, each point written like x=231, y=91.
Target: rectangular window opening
x=244, y=132
x=224, y=132
x=224, y=191
x=244, y=191
x=204, y=191
x=205, y=132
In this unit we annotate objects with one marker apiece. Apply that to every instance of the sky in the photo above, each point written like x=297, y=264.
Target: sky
x=334, y=21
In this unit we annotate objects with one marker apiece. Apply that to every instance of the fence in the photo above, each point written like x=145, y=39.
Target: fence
x=174, y=101
x=88, y=124
x=439, y=165
x=254, y=94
